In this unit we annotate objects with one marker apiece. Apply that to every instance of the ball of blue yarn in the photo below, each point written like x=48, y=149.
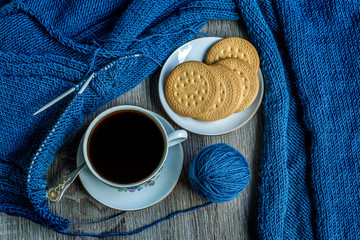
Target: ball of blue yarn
x=219, y=173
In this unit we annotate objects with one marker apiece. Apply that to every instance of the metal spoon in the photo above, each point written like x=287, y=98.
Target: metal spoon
x=54, y=194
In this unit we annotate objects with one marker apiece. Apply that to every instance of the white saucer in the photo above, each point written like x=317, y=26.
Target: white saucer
x=147, y=196
x=196, y=50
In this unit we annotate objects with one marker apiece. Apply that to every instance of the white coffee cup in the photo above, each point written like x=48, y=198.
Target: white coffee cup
x=170, y=139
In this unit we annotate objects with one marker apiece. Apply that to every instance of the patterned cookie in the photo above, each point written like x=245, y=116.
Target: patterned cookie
x=234, y=48
x=191, y=89
x=231, y=92
x=248, y=78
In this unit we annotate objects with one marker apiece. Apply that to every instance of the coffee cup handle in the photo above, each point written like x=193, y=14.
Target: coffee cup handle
x=176, y=137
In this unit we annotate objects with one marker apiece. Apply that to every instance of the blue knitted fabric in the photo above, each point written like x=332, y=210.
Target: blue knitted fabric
x=309, y=53
x=310, y=172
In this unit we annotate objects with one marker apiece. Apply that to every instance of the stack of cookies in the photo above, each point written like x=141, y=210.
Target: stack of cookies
x=226, y=84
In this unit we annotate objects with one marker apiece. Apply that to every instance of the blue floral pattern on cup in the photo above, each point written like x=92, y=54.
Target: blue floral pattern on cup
x=149, y=183
x=137, y=188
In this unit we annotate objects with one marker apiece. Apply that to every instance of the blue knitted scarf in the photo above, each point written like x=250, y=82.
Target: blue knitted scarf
x=309, y=49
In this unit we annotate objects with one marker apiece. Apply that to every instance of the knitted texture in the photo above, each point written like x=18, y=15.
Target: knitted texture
x=310, y=164
x=309, y=58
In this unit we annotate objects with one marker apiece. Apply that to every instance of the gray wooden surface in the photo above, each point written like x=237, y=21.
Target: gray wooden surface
x=235, y=219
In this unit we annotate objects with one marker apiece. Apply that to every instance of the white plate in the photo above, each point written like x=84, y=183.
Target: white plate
x=196, y=50
x=147, y=196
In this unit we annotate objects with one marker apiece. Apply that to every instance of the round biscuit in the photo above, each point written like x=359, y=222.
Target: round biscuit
x=191, y=89
x=248, y=78
x=234, y=47
x=230, y=95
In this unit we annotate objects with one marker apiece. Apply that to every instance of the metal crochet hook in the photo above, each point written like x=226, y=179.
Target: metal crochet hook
x=54, y=194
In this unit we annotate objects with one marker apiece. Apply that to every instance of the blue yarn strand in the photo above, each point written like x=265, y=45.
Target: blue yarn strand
x=99, y=221
x=203, y=33
x=138, y=230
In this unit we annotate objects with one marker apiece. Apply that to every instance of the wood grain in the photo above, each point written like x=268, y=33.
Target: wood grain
x=235, y=219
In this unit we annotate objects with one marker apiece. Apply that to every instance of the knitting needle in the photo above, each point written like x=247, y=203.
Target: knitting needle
x=84, y=86
x=46, y=106
x=71, y=90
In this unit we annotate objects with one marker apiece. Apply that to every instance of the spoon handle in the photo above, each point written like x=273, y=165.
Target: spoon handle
x=54, y=194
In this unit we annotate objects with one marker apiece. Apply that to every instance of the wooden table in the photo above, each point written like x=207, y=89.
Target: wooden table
x=235, y=219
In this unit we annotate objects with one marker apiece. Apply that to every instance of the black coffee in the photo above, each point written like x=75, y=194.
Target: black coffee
x=125, y=147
